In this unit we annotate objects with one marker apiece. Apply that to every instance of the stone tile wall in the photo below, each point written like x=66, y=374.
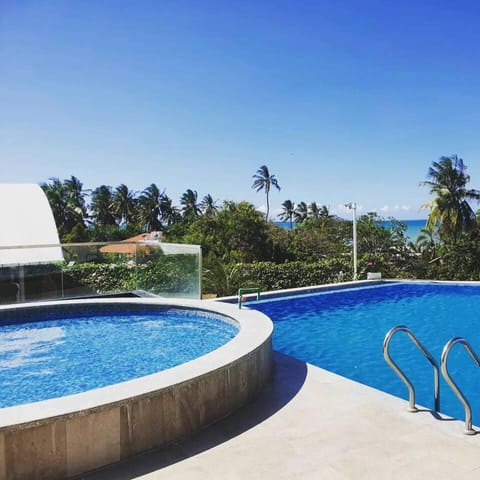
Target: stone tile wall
x=69, y=445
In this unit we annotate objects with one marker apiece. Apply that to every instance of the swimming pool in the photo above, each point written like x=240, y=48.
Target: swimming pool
x=63, y=354
x=343, y=330
x=65, y=436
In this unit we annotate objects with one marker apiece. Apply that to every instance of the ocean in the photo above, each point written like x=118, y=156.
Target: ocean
x=413, y=227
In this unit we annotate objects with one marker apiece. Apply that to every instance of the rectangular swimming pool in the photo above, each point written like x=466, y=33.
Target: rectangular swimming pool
x=342, y=330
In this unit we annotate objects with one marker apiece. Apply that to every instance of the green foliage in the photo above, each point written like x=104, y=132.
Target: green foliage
x=108, y=233
x=321, y=238
x=238, y=233
x=99, y=278
x=459, y=260
x=167, y=274
x=275, y=276
x=241, y=248
x=374, y=239
x=220, y=278
x=450, y=211
x=175, y=274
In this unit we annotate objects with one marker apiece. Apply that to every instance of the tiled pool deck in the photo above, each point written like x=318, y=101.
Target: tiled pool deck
x=311, y=424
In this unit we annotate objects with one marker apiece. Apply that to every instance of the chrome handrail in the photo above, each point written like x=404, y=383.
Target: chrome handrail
x=403, y=377
x=243, y=291
x=446, y=350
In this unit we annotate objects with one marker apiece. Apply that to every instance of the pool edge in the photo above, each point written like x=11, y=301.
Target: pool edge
x=57, y=439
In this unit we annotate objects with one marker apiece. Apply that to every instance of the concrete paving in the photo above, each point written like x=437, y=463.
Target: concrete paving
x=311, y=424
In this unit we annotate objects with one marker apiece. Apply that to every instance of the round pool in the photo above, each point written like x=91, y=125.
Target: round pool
x=54, y=354
x=136, y=374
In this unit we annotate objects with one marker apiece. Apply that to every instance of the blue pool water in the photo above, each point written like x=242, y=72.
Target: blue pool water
x=343, y=331
x=53, y=357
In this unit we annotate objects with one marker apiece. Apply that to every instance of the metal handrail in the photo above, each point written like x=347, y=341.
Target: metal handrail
x=446, y=350
x=403, y=377
x=243, y=291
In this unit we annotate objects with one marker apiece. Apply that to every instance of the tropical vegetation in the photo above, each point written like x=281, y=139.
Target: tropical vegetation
x=264, y=181
x=241, y=246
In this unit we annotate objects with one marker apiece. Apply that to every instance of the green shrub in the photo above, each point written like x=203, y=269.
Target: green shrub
x=167, y=274
x=277, y=276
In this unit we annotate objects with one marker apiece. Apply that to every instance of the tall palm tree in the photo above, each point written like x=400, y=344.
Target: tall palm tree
x=288, y=210
x=450, y=212
x=124, y=205
x=190, y=208
x=208, y=206
x=101, y=206
x=150, y=208
x=301, y=212
x=264, y=181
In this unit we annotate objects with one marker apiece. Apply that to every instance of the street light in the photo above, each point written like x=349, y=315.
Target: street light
x=353, y=206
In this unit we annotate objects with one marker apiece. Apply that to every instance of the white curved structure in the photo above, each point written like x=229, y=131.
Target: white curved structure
x=27, y=220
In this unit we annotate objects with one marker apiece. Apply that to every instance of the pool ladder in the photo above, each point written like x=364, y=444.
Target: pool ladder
x=403, y=377
x=242, y=294
x=446, y=350
x=445, y=373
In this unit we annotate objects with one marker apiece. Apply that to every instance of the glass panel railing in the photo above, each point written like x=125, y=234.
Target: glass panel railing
x=90, y=269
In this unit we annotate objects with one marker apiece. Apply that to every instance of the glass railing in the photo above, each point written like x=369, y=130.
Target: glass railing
x=30, y=273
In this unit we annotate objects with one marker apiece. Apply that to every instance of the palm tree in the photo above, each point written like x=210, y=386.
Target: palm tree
x=209, y=206
x=425, y=242
x=288, y=210
x=66, y=201
x=150, y=202
x=264, y=181
x=324, y=213
x=124, y=205
x=301, y=212
x=450, y=212
x=55, y=193
x=314, y=211
x=76, y=197
x=190, y=208
x=101, y=206
x=168, y=211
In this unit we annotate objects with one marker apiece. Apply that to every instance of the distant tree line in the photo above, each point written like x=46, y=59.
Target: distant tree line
x=116, y=213
x=234, y=235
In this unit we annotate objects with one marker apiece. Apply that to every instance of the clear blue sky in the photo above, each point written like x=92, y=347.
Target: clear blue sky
x=344, y=101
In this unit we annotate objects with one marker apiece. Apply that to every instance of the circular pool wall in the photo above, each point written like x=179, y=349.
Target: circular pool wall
x=64, y=437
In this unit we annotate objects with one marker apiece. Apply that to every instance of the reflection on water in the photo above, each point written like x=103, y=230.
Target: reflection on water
x=27, y=346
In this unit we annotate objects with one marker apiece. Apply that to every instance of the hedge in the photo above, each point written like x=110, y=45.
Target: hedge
x=277, y=276
x=172, y=274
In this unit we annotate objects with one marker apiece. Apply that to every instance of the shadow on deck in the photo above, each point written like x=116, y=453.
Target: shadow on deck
x=288, y=378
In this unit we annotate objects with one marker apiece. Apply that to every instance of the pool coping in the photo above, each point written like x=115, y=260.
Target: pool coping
x=271, y=294
x=71, y=435
x=332, y=428
x=300, y=290
x=254, y=328
x=293, y=292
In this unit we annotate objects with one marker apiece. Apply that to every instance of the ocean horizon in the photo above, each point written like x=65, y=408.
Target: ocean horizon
x=413, y=227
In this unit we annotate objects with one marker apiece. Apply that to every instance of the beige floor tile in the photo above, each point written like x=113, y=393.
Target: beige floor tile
x=315, y=426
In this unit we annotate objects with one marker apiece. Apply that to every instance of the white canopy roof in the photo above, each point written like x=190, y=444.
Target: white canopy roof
x=26, y=220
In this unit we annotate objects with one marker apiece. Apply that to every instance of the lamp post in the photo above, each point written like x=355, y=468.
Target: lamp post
x=353, y=206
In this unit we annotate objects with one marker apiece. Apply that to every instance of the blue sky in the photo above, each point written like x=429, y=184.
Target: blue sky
x=344, y=101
